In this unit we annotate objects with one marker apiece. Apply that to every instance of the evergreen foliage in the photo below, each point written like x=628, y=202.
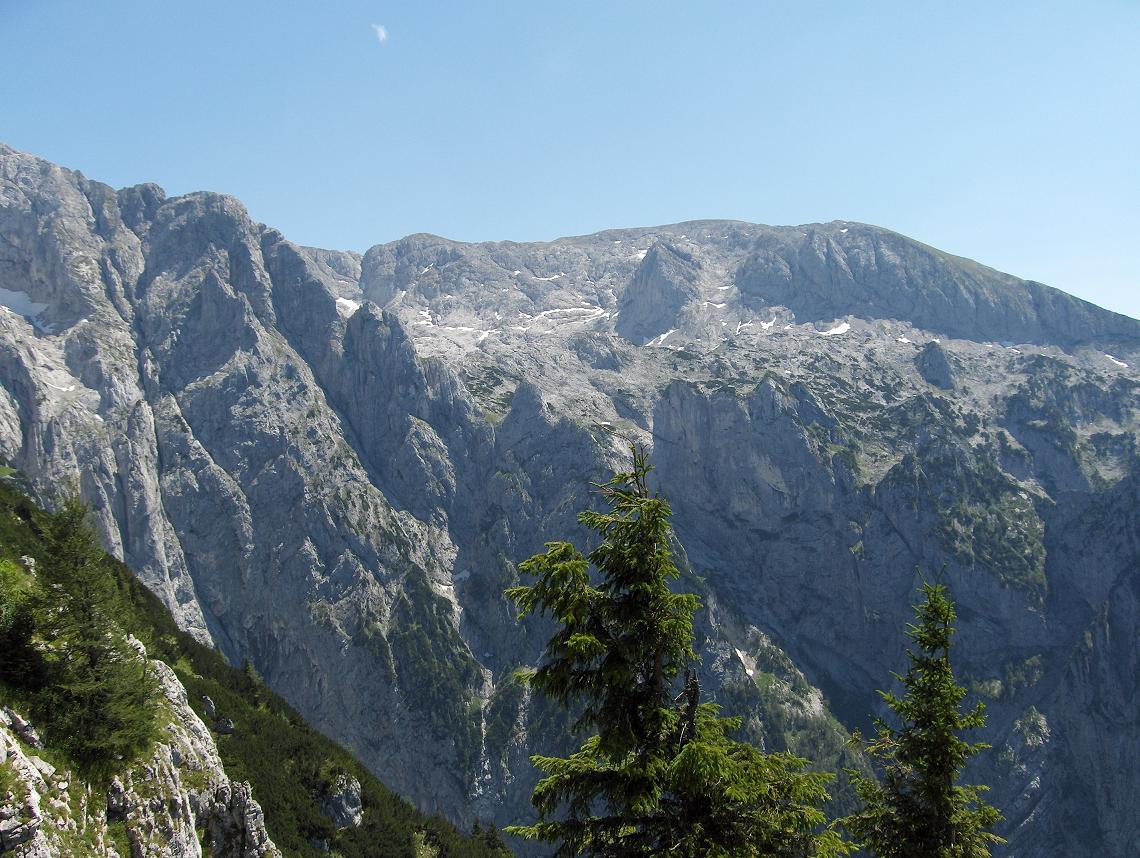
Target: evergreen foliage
x=22, y=663
x=63, y=630
x=289, y=764
x=661, y=773
x=917, y=810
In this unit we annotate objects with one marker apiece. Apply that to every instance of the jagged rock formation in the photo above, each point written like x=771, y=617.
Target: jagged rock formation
x=330, y=465
x=342, y=802
x=664, y=284
x=155, y=808
x=933, y=365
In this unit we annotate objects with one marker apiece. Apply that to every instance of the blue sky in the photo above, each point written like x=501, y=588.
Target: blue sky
x=1004, y=132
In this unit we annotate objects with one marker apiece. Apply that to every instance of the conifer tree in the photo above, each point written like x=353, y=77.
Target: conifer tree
x=660, y=773
x=101, y=704
x=917, y=809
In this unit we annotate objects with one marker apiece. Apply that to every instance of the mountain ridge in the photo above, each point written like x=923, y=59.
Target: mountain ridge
x=333, y=472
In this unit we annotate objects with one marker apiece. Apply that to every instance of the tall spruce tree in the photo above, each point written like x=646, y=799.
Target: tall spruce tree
x=660, y=773
x=917, y=809
x=101, y=704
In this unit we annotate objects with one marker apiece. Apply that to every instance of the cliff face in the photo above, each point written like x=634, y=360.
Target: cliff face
x=169, y=805
x=330, y=465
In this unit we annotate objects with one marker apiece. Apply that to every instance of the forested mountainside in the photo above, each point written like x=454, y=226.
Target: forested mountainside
x=136, y=756
x=329, y=465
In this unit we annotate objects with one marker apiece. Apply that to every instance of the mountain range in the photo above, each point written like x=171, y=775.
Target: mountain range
x=330, y=464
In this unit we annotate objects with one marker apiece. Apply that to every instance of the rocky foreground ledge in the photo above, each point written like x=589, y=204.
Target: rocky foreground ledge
x=172, y=804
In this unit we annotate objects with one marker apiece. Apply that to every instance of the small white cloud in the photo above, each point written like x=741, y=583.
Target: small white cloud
x=381, y=33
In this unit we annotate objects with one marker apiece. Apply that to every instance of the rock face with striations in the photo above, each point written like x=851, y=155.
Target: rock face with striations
x=331, y=464
x=663, y=285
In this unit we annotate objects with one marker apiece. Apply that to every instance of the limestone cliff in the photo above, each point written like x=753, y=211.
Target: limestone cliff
x=331, y=465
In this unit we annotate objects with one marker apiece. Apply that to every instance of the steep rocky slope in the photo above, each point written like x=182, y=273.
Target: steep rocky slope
x=330, y=465
x=169, y=805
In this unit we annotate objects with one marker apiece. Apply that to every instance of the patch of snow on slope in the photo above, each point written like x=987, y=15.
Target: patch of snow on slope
x=571, y=311
x=767, y=326
x=903, y=340
x=1117, y=361
x=346, y=307
x=746, y=662
x=714, y=304
x=22, y=305
x=841, y=328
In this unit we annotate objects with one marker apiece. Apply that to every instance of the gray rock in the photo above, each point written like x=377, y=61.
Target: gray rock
x=932, y=365
x=665, y=282
x=21, y=727
x=342, y=803
x=162, y=803
x=305, y=453
x=237, y=826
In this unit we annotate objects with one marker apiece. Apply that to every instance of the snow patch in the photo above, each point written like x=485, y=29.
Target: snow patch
x=903, y=340
x=841, y=328
x=346, y=307
x=744, y=660
x=767, y=326
x=592, y=311
x=1117, y=361
x=714, y=304
x=22, y=305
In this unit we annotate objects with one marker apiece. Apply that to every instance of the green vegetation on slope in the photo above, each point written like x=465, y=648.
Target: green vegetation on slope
x=289, y=764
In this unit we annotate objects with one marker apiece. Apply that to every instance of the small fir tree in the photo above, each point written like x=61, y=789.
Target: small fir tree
x=660, y=773
x=917, y=810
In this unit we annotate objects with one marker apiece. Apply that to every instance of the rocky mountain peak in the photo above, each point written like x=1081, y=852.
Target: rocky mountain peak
x=331, y=465
x=663, y=284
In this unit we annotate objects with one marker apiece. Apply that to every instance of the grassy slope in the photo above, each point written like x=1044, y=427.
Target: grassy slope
x=287, y=762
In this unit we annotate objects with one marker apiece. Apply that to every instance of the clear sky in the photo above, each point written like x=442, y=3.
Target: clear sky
x=1007, y=132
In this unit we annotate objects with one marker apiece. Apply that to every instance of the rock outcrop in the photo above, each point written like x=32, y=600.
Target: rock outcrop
x=663, y=285
x=330, y=465
x=170, y=805
x=341, y=803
